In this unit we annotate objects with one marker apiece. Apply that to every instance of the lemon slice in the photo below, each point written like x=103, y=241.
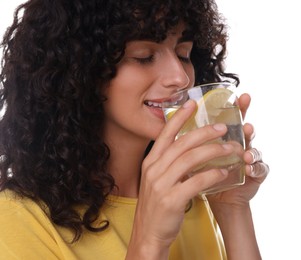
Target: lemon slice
x=212, y=104
x=217, y=99
x=169, y=112
x=210, y=108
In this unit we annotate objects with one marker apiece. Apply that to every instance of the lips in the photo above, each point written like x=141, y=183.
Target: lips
x=155, y=107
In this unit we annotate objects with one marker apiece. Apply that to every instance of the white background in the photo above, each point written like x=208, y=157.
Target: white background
x=264, y=50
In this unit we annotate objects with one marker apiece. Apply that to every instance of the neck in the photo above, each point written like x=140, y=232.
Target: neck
x=126, y=156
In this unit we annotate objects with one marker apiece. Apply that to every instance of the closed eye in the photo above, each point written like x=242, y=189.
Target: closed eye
x=145, y=60
x=184, y=59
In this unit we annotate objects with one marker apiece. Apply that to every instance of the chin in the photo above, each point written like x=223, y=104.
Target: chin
x=153, y=131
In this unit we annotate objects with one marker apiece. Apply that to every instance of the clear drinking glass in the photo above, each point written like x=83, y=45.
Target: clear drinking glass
x=216, y=103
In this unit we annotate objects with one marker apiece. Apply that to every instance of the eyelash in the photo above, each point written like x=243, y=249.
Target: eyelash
x=150, y=59
x=184, y=59
x=145, y=60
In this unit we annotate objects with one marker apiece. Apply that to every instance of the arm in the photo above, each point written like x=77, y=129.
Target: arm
x=165, y=189
x=141, y=249
x=233, y=214
x=232, y=208
x=237, y=228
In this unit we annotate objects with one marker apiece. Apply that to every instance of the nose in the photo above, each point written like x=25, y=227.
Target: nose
x=175, y=74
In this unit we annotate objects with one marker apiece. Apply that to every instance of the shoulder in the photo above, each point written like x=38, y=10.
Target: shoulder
x=12, y=203
x=26, y=229
x=21, y=211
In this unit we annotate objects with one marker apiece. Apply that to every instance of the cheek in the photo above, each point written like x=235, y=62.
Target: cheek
x=124, y=91
x=130, y=79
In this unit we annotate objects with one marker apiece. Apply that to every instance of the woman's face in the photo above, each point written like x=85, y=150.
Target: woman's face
x=148, y=73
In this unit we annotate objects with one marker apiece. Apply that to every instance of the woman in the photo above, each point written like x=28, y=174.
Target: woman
x=80, y=179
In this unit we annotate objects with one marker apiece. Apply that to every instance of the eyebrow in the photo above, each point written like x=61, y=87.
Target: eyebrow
x=187, y=36
x=185, y=39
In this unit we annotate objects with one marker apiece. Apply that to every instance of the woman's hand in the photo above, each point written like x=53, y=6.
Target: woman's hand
x=165, y=190
x=232, y=209
x=256, y=169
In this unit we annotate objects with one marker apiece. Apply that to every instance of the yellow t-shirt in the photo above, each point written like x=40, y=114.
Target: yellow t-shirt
x=27, y=233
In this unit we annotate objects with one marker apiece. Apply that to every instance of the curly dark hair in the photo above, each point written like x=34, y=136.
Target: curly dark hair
x=57, y=56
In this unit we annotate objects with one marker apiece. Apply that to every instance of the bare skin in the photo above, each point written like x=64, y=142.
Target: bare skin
x=148, y=73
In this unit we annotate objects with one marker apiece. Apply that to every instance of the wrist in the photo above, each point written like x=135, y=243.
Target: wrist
x=226, y=212
x=147, y=250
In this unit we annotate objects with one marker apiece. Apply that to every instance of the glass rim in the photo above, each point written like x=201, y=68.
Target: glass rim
x=179, y=92
x=215, y=83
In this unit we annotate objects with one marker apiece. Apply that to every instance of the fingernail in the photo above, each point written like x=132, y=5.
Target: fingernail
x=253, y=173
x=220, y=127
x=253, y=157
x=224, y=171
x=227, y=146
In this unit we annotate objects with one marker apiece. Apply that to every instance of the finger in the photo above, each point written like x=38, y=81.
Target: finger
x=192, y=140
x=196, y=160
x=256, y=155
x=258, y=171
x=180, y=160
x=249, y=134
x=172, y=127
x=202, y=181
x=244, y=103
x=252, y=156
